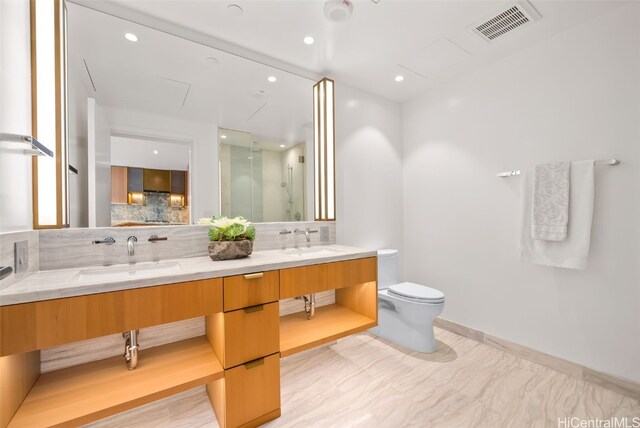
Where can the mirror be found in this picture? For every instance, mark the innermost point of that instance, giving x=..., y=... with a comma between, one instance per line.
x=163, y=130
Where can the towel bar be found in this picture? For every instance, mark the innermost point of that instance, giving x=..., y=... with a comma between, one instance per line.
x=511, y=173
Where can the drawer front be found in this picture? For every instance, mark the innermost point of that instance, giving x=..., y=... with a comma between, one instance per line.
x=30, y=326
x=251, y=333
x=252, y=390
x=251, y=289
x=327, y=276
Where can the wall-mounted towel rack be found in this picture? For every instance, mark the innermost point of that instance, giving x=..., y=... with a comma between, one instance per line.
x=36, y=148
x=598, y=162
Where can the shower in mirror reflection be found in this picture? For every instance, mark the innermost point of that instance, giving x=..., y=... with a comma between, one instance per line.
x=261, y=178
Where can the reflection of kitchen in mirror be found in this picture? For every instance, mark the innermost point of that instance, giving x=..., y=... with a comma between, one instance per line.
x=149, y=182
x=261, y=178
x=146, y=109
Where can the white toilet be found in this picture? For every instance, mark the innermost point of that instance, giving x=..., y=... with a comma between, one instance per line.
x=405, y=310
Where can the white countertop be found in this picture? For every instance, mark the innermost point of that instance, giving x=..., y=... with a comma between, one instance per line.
x=55, y=284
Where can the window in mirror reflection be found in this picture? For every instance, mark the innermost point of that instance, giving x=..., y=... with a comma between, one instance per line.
x=261, y=178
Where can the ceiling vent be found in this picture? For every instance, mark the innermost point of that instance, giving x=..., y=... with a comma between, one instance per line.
x=518, y=15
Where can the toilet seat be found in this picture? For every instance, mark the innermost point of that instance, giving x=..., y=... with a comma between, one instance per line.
x=416, y=292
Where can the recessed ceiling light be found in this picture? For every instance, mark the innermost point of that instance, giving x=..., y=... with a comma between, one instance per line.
x=399, y=78
x=131, y=37
x=271, y=79
x=224, y=137
x=234, y=10
x=282, y=145
x=308, y=40
x=155, y=152
x=212, y=60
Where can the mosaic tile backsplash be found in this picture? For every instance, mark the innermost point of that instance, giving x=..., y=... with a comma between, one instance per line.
x=156, y=210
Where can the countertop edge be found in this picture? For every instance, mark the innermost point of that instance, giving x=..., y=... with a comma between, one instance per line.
x=194, y=274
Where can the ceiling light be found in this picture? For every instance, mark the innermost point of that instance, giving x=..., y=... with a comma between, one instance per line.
x=271, y=79
x=155, y=152
x=131, y=37
x=399, y=78
x=234, y=10
x=282, y=146
x=212, y=60
x=224, y=137
x=308, y=40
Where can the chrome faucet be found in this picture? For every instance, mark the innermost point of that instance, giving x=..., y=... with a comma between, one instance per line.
x=305, y=232
x=131, y=245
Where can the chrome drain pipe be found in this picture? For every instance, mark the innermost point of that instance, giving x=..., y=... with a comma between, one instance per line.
x=309, y=305
x=131, y=348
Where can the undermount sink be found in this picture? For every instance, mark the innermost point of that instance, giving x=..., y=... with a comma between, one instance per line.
x=309, y=250
x=136, y=270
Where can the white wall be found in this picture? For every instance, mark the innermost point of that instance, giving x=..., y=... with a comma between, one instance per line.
x=203, y=198
x=368, y=169
x=99, y=165
x=573, y=96
x=15, y=116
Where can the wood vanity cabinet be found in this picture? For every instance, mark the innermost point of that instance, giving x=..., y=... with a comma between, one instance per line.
x=246, y=339
x=238, y=358
x=84, y=393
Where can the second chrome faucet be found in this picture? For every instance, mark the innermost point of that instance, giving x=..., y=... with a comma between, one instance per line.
x=306, y=232
x=131, y=245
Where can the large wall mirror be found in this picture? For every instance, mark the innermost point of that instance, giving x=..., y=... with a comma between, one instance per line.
x=164, y=130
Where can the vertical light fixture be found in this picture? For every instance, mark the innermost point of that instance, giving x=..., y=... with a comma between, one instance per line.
x=48, y=109
x=324, y=150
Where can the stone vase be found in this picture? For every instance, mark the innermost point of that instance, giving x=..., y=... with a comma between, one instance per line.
x=229, y=250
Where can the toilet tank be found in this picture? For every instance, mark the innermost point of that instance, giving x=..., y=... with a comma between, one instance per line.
x=388, y=268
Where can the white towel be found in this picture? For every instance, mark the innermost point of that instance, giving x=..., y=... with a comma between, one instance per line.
x=572, y=252
x=551, y=201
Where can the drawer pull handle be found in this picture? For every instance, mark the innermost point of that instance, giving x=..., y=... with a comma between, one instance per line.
x=254, y=363
x=254, y=275
x=256, y=308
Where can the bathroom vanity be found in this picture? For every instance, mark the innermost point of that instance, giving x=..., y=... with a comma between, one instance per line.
x=237, y=358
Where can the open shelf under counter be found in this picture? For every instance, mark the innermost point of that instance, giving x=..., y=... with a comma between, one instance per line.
x=329, y=323
x=92, y=391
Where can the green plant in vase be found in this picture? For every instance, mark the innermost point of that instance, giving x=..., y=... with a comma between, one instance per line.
x=230, y=238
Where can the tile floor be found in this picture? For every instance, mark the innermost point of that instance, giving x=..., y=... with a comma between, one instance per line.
x=363, y=381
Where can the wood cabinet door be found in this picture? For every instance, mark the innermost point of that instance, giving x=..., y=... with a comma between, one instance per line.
x=178, y=182
x=252, y=390
x=118, y=184
x=134, y=182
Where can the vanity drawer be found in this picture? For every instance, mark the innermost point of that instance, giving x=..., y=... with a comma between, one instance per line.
x=327, y=276
x=251, y=289
x=252, y=392
x=250, y=333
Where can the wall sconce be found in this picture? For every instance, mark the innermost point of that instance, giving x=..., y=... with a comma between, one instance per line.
x=324, y=150
x=48, y=112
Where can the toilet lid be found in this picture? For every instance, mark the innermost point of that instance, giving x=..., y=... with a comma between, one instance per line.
x=417, y=292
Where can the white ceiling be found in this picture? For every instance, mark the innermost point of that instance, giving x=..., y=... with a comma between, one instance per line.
x=169, y=76
x=379, y=41
x=149, y=153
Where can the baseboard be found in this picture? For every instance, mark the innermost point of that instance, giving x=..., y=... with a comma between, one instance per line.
x=614, y=383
